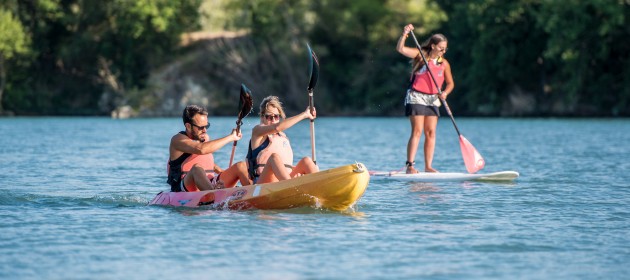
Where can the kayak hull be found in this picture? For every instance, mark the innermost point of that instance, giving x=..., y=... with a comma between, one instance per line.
x=501, y=176
x=334, y=189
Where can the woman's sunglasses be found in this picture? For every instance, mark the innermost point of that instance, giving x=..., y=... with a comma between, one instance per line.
x=271, y=117
x=200, y=127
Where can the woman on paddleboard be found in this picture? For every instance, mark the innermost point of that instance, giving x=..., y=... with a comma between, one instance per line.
x=269, y=156
x=421, y=101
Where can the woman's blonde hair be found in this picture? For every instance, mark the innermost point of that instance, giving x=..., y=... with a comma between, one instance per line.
x=274, y=102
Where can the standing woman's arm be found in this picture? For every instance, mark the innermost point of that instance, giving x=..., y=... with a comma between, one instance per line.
x=448, y=79
x=400, y=47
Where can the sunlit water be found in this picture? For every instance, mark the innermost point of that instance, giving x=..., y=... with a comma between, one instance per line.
x=74, y=193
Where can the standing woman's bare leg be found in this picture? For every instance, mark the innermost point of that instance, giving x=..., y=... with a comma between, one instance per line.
x=430, y=125
x=414, y=139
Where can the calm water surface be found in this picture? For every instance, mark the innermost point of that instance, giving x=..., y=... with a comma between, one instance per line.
x=73, y=195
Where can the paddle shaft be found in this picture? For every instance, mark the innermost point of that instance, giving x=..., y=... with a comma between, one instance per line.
x=232, y=155
x=311, y=107
x=314, y=74
x=238, y=128
x=426, y=63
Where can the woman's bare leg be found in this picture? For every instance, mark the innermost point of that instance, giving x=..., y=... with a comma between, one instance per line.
x=274, y=170
x=414, y=139
x=430, y=126
x=304, y=166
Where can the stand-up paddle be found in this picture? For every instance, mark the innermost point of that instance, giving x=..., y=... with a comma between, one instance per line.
x=245, y=105
x=314, y=74
x=473, y=160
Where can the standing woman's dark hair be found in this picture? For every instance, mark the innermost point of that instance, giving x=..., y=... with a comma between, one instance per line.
x=426, y=48
x=191, y=110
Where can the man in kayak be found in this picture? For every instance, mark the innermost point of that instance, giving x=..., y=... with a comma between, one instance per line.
x=269, y=156
x=191, y=165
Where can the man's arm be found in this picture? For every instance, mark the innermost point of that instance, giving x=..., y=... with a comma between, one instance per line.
x=184, y=144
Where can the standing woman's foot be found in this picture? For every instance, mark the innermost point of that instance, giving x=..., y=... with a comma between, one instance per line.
x=410, y=168
x=430, y=169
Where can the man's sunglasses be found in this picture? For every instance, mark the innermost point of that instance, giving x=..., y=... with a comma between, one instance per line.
x=200, y=127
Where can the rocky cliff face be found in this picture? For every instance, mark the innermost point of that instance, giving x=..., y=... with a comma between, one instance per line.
x=210, y=75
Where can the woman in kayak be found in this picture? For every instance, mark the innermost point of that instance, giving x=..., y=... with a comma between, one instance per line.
x=269, y=156
x=191, y=165
x=421, y=101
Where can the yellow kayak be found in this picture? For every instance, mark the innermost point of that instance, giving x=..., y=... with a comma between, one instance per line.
x=333, y=189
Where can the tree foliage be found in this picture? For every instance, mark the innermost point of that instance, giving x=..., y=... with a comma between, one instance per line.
x=566, y=55
x=358, y=39
x=13, y=41
x=91, y=55
x=355, y=40
x=522, y=57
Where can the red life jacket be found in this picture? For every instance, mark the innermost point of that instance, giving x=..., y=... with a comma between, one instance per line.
x=422, y=82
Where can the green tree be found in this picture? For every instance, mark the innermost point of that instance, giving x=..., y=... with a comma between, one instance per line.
x=13, y=41
x=494, y=49
x=589, y=59
x=91, y=56
x=565, y=55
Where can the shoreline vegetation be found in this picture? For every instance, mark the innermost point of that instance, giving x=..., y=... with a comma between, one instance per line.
x=151, y=58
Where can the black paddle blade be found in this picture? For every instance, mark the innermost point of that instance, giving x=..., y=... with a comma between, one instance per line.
x=313, y=70
x=245, y=103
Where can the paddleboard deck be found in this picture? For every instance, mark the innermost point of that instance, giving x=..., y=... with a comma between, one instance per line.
x=501, y=176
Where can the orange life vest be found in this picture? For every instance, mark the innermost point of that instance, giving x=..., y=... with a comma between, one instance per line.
x=178, y=168
x=277, y=143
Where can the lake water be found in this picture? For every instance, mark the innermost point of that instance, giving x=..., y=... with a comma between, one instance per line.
x=73, y=197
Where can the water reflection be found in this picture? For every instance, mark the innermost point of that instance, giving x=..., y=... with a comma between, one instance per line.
x=266, y=214
x=427, y=191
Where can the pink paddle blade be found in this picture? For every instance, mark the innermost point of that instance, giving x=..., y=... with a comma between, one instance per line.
x=473, y=160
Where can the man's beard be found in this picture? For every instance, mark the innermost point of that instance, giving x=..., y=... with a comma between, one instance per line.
x=199, y=138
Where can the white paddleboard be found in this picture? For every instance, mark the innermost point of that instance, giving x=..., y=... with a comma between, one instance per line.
x=501, y=176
